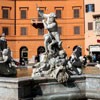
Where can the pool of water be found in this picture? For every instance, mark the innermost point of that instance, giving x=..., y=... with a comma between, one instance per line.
x=22, y=72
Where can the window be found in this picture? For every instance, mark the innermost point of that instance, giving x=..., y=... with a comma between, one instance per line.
x=40, y=31
x=5, y=30
x=76, y=30
x=39, y=17
x=90, y=26
x=90, y=8
x=97, y=27
x=23, y=30
x=60, y=30
x=76, y=13
x=5, y=13
x=58, y=13
x=23, y=14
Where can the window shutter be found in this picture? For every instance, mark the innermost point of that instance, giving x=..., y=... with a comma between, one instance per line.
x=86, y=8
x=90, y=26
x=76, y=30
x=23, y=14
x=93, y=7
x=5, y=30
x=23, y=30
x=76, y=13
x=5, y=13
x=58, y=13
x=90, y=8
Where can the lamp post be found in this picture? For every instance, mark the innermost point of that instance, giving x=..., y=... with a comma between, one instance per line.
x=14, y=17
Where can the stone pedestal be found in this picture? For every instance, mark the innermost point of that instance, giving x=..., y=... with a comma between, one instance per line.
x=15, y=88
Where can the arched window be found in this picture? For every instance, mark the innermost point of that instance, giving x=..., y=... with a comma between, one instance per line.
x=24, y=55
x=40, y=49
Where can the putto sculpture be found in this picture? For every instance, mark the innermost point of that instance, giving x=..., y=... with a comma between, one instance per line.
x=54, y=62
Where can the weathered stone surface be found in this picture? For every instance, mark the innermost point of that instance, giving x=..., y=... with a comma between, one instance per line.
x=14, y=88
x=93, y=86
x=57, y=91
x=26, y=88
x=7, y=71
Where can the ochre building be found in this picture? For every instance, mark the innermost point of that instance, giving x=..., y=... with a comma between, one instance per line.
x=24, y=38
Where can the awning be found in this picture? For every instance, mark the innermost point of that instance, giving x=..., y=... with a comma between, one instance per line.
x=98, y=41
x=94, y=48
x=96, y=16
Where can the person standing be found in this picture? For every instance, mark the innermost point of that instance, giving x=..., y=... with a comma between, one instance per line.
x=94, y=57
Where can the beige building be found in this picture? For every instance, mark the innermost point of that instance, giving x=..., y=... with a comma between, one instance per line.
x=92, y=27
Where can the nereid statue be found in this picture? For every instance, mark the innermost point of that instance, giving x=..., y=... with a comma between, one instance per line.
x=54, y=62
x=6, y=61
x=3, y=42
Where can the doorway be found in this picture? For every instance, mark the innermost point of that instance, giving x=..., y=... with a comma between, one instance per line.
x=97, y=55
x=23, y=55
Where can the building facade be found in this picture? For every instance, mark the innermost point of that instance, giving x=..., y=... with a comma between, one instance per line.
x=92, y=28
x=24, y=38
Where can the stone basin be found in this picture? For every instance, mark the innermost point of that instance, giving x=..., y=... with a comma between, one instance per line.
x=81, y=87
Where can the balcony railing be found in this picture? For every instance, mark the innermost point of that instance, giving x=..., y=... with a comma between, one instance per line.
x=97, y=32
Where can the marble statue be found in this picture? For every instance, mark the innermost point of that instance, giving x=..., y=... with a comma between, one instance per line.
x=76, y=61
x=3, y=42
x=7, y=67
x=54, y=62
x=50, y=24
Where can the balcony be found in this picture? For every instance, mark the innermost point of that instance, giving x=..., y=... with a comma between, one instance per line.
x=37, y=23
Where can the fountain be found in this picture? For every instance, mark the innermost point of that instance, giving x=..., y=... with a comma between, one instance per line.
x=7, y=67
x=54, y=62
x=55, y=77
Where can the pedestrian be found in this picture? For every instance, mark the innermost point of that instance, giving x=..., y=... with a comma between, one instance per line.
x=94, y=57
